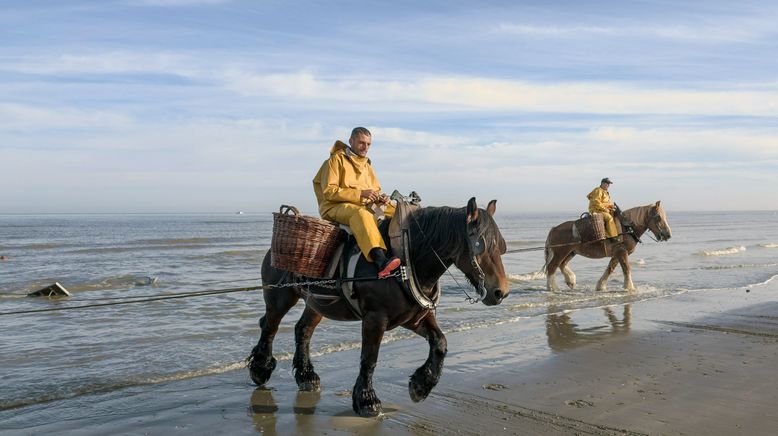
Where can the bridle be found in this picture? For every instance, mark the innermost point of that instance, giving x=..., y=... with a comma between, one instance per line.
x=477, y=246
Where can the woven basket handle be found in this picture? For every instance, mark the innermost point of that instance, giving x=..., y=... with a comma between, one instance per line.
x=286, y=209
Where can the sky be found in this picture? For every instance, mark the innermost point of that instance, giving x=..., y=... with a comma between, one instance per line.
x=218, y=106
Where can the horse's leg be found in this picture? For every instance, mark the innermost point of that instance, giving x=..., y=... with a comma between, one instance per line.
x=627, y=270
x=567, y=272
x=426, y=376
x=261, y=362
x=602, y=284
x=364, y=400
x=552, y=263
x=304, y=375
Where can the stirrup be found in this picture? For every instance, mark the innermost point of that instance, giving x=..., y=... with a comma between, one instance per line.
x=389, y=267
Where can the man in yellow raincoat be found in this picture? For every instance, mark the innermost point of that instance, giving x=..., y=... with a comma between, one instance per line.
x=346, y=188
x=600, y=202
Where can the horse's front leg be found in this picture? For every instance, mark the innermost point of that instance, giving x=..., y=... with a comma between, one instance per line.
x=304, y=375
x=426, y=376
x=627, y=269
x=261, y=362
x=602, y=284
x=364, y=400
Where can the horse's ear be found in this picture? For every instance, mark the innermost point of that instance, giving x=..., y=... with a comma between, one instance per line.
x=472, y=210
x=657, y=204
x=491, y=207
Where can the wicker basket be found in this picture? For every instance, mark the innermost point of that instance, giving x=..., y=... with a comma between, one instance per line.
x=591, y=227
x=303, y=244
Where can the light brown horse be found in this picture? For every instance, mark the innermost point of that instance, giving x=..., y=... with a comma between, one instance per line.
x=559, y=251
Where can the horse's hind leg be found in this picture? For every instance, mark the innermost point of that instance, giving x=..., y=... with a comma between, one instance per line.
x=261, y=362
x=627, y=270
x=304, y=375
x=602, y=284
x=364, y=400
x=554, y=259
x=567, y=272
x=426, y=376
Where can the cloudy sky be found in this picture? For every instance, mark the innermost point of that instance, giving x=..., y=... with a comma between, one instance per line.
x=226, y=105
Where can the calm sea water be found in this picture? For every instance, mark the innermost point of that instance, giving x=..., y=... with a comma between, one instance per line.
x=107, y=258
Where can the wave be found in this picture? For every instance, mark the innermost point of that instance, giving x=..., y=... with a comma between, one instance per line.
x=181, y=241
x=537, y=275
x=770, y=245
x=38, y=246
x=722, y=252
x=120, y=384
x=740, y=266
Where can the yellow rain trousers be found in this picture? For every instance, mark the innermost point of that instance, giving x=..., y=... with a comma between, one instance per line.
x=338, y=185
x=600, y=202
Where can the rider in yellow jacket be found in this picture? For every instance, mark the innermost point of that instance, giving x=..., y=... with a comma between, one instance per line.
x=600, y=202
x=346, y=187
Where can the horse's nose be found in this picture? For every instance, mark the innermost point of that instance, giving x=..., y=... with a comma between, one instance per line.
x=498, y=295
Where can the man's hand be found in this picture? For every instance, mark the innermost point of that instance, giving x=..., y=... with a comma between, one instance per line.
x=370, y=195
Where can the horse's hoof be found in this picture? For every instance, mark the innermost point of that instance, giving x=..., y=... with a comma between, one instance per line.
x=260, y=372
x=365, y=403
x=420, y=385
x=308, y=382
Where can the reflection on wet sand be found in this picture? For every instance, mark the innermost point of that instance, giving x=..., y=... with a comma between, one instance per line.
x=265, y=412
x=563, y=334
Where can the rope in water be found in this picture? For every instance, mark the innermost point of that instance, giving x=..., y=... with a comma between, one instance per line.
x=143, y=299
x=519, y=250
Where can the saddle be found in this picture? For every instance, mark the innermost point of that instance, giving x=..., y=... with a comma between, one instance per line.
x=396, y=232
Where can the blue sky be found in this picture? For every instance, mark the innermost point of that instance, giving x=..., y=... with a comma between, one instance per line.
x=226, y=105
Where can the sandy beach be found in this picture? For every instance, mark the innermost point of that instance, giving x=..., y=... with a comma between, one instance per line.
x=695, y=363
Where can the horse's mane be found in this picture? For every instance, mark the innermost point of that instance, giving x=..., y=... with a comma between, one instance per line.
x=638, y=214
x=445, y=230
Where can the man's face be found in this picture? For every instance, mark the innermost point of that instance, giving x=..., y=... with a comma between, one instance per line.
x=360, y=144
x=605, y=186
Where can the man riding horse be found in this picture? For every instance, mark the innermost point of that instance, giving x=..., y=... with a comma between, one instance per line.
x=345, y=187
x=600, y=202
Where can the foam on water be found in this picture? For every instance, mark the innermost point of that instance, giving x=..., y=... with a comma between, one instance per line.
x=723, y=252
x=537, y=275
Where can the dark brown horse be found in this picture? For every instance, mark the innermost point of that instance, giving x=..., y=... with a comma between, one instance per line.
x=559, y=254
x=466, y=237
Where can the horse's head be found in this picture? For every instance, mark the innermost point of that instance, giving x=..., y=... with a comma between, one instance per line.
x=482, y=262
x=657, y=223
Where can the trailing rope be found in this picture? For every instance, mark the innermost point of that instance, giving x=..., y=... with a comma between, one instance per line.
x=520, y=250
x=143, y=299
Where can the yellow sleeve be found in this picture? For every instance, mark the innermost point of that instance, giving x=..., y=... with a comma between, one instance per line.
x=331, y=184
x=598, y=201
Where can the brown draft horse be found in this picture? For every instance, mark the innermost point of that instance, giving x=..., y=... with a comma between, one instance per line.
x=558, y=255
x=466, y=237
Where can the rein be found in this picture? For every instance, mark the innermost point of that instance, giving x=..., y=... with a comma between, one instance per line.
x=481, y=276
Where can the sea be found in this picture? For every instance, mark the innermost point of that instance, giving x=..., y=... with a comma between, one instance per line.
x=104, y=259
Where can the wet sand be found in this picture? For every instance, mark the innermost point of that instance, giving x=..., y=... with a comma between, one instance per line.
x=696, y=363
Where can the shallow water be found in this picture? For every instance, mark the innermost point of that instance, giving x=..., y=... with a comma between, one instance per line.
x=105, y=258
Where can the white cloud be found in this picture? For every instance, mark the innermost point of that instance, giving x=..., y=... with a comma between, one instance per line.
x=170, y=3
x=15, y=117
x=714, y=31
x=466, y=93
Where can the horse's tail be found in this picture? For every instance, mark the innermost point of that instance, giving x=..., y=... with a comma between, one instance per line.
x=549, y=254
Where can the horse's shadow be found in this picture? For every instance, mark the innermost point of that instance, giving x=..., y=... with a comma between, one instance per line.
x=563, y=334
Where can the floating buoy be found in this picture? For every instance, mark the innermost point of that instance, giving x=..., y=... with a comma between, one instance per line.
x=55, y=290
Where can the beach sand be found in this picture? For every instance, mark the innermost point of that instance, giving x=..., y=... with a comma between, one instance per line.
x=698, y=363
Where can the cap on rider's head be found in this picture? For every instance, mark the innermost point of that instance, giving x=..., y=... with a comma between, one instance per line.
x=606, y=180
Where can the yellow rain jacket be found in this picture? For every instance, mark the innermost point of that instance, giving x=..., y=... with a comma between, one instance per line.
x=338, y=185
x=600, y=202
